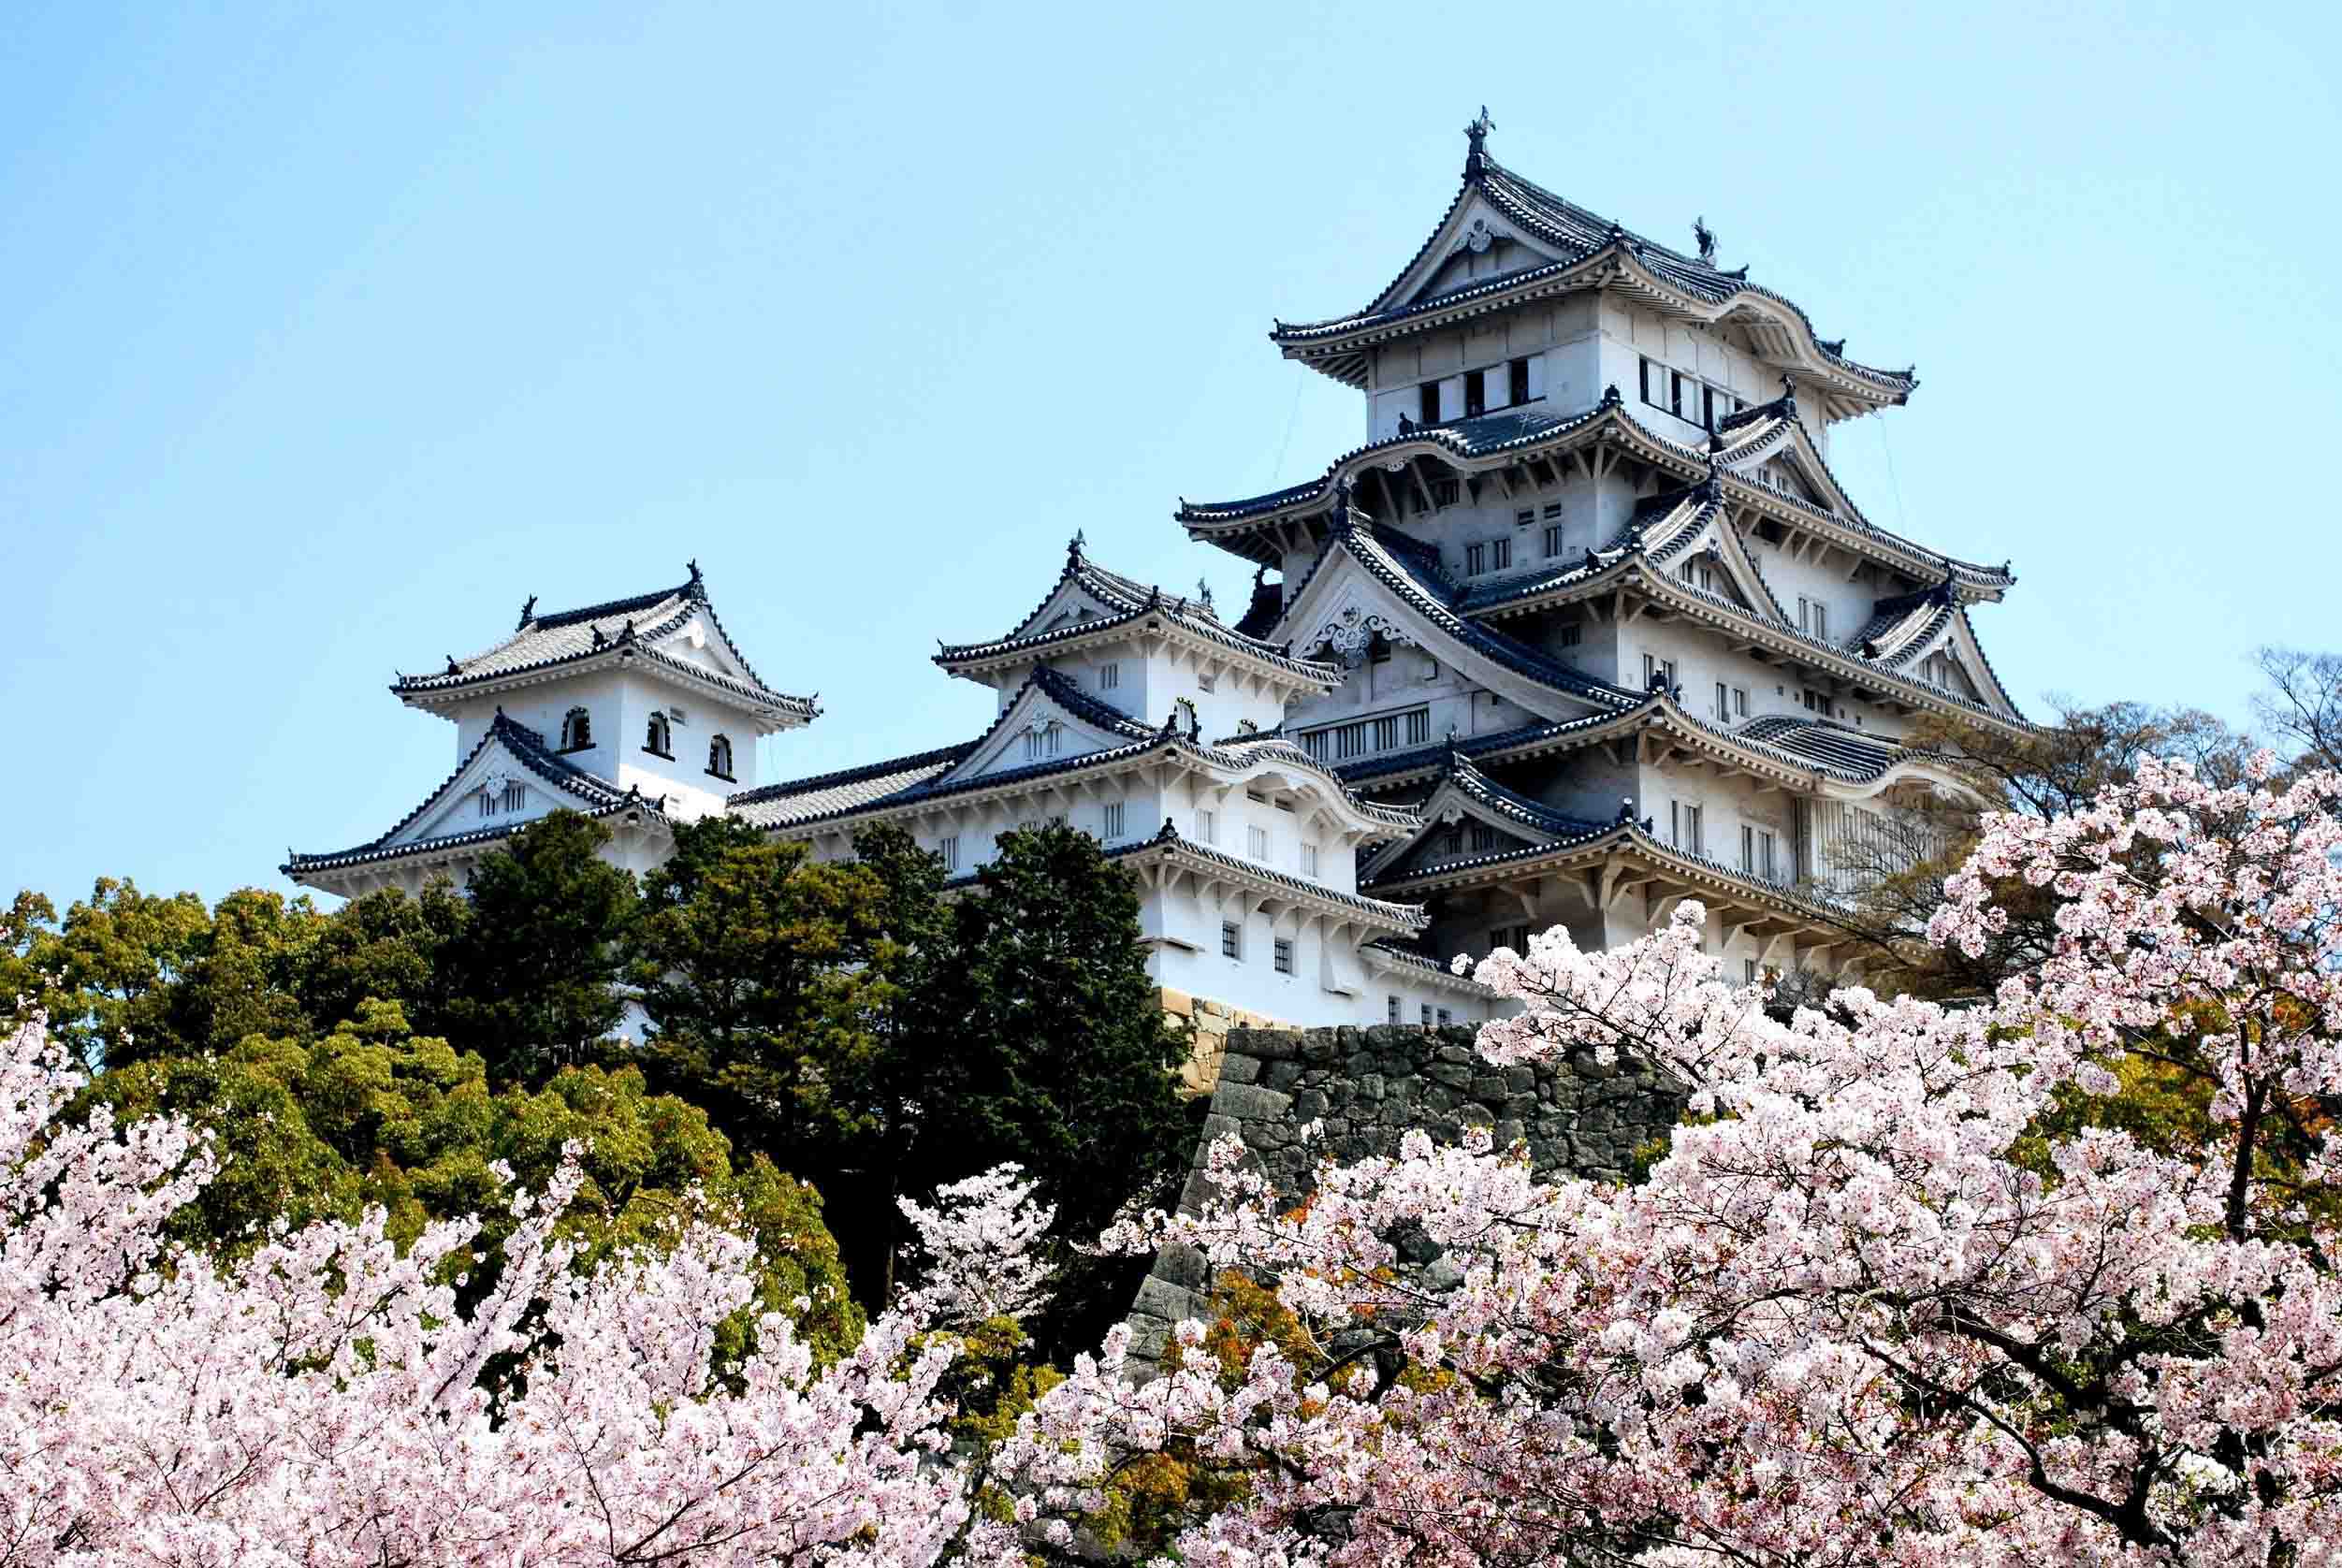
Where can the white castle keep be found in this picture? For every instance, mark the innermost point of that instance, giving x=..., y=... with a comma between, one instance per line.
x=1585, y=628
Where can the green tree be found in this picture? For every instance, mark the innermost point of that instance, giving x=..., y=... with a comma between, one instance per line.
x=116, y=958
x=761, y=974
x=372, y=1114
x=386, y=945
x=532, y=978
x=1038, y=1036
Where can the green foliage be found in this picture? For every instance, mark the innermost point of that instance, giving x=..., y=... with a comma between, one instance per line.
x=762, y=973
x=372, y=1114
x=530, y=981
x=1049, y=1043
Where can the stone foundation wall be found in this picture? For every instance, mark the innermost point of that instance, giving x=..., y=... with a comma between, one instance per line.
x=1367, y=1088
x=1207, y=1025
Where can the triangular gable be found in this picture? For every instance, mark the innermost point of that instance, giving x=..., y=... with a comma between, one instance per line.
x=1790, y=463
x=1959, y=639
x=1452, y=813
x=1473, y=242
x=1070, y=605
x=1344, y=604
x=1038, y=728
x=696, y=640
x=475, y=797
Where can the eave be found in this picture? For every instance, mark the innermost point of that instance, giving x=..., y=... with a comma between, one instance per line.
x=973, y=661
x=1266, y=528
x=774, y=711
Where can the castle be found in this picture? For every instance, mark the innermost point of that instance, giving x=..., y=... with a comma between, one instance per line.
x=1586, y=627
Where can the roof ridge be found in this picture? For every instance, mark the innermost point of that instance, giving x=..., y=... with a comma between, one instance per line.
x=784, y=788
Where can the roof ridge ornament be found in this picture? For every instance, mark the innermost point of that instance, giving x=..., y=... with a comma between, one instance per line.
x=1476, y=137
x=528, y=612
x=601, y=638
x=1705, y=238
x=697, y=586
x=1074, y=545
x=454, y=668
x=1204, y=594
x=1610, y=398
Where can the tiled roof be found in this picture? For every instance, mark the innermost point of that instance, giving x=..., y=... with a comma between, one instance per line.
x=1405, y=567
x=1127, y=599
x=1524, y=431
x=912, y=779
x=600, y=797
x=1574, y=235
x=1407, y=917
x=604, y=631
x=1514, y=805
x=1843, y=753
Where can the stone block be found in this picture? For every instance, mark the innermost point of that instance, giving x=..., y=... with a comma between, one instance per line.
x=1178, y=1003
x=1239, y=1070
x=1160, y=1297
x=1248, y=1103
x=1183, y=1266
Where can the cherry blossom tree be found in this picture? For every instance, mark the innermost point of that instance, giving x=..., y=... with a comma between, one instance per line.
x=326, y=1401
x=1895, y=1294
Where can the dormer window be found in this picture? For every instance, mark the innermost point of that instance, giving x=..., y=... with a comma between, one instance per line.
x=719, y=758
x=658, y=740
x=576, y=729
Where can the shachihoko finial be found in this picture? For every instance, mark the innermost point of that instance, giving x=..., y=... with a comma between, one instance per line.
x=1073, y=545
x=1705, y=238
x=1476, y=135
x=692, y=566
x=1203, y=592
x=528, y=611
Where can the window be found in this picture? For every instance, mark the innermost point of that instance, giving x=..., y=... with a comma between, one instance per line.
x=1427, y=402
x=1552, y=510
x=1707, y=407
x=1500, y=554
x=1391, y=1012
x=1686, y=571
x=1281, y=955
x=1231, y=939
x=1427, y=1015
x=498, y=796
x=947, y=848
x=1446, y=491
x=1571, y=635
x=1683, y=826
x=1820, y=621
x=658, y=740
x=1445, y=1018
x=1483, y=836
x=1523, y=518
x=1512, y=937
x=1474, y=393
x=1651, y=378
x=719, y=758
x=1340, y=743
x=1658, y=674
x=1675, y=394
x=1451, y=842
x=1208, y=826
x=1041, y=741
x=1764, y=855
x=1109, y=677
x=1748, y=971
x=1552, y=539
x=1309, y=860
x=1517, y=381
x=1724, y=700
x=1739, y=702
x=576, y=729
x=1113, y=820
x=1257, y=843
x=1748, y=847
x=1805, y=614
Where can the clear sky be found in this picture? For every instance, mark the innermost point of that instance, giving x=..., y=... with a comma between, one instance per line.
x=326, y=338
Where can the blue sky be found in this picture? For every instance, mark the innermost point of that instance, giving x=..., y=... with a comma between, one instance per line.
x=328, y=338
